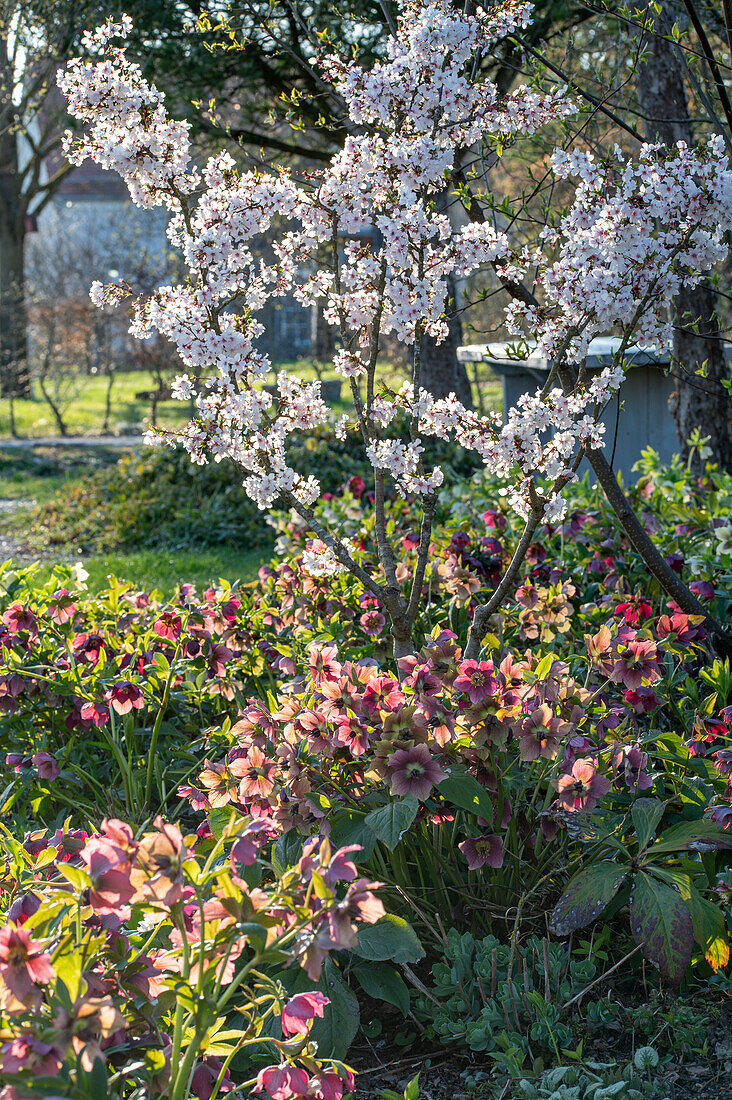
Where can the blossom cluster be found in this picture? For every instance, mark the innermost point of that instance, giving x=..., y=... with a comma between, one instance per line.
x=632, y=236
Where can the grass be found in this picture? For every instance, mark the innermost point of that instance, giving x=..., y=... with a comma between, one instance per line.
x=165, y=570
x=38, y=473
x=84, y=414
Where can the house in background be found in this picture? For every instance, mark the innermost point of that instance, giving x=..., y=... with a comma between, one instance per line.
x=91, y=230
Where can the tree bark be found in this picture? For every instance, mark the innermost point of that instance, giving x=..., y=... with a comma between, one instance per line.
x=440, y=372
x=14, y=372
x=697, y=401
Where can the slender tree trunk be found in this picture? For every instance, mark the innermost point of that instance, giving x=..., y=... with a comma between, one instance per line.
x=14, y=373
x=440, y=371
x=697, y=401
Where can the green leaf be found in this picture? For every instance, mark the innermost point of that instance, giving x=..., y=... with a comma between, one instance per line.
x=710, y=926
x=256, y=934
x=78, y=878
x=661, y=923
x=351, y=828
x=391, y=938
x=646, y=814
x=692, y=836
x=96, y=1079
x=382, y=982
x=391, y=822
x=543, y=668
x=411, y=1092
x=219, y=818
x=462, y=789
x=287, y=851
x=586, y=896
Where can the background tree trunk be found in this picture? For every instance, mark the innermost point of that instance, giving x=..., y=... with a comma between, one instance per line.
x=697, y=402
x=14, y=373
x=440, y=371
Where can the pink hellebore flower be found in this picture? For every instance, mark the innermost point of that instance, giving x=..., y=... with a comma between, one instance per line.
x=300, y=1010
x=18, y=618
x=477, y=679
x=414, y=771
x=282, y=1082
x=205, y=1076
x=32, y=1055
x=46, y=766
x=330, y=1086
x=480, y=850
x=635, y=663
x=96, y=713
x=125, y=696
x=168, y=626
x=23, y=962
x=581, y=788
x=61, y=608
x=372, y=623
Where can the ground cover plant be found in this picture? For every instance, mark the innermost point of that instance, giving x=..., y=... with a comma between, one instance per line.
x=462, y=749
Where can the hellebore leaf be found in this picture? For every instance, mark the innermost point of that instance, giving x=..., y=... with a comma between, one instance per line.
x=661, y=923
x=586, y=896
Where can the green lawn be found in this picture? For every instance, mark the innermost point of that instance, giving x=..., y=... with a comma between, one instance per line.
x=36, y=474
x=165, y=570
x=85, y=412
x=84, y=415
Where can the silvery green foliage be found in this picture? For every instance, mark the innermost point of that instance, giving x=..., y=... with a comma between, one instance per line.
x=600, y=1081
x=485, y=1009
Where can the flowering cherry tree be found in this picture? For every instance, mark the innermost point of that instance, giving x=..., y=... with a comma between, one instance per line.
x=635, y=232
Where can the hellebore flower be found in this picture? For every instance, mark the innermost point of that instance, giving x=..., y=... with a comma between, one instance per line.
x=125, y=696
x=479, y=850
x=414, y=771
x=205, y=1076
x=476, y=679
x=581, y=788
x=46, y=766
x=168, y=626
x=282, y=1082
x=23, y=962
x=300, y=1010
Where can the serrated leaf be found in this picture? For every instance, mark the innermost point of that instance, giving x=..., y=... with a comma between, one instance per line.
x=384, y=983
x=661, y=923
x=390, y=822
x=586, y=896
x=287, y=851
x=646, y=814
x=392, y=938
x=462, y=789
x=692, y=836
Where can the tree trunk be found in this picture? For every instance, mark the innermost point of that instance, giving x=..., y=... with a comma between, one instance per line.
x=697, y=401
x=440, y=371
x=14, y=373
